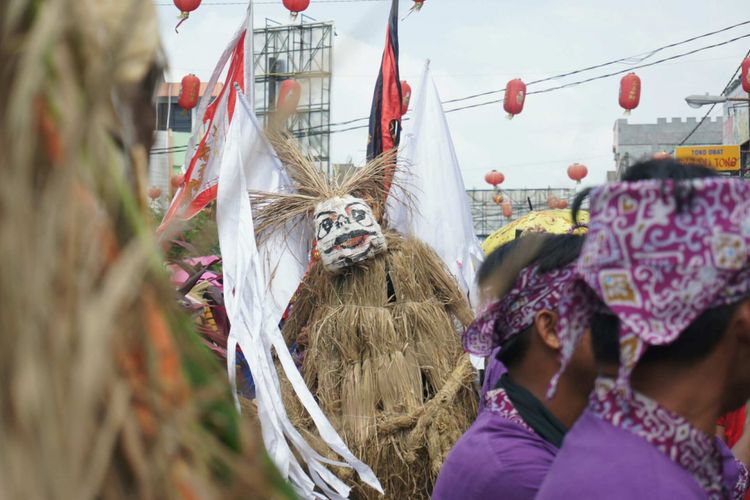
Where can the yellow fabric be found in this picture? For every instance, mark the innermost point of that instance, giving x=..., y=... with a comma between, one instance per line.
x=557, y=221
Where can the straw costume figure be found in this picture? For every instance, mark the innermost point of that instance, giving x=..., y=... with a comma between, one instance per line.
x=376, y=318
x=105, y=390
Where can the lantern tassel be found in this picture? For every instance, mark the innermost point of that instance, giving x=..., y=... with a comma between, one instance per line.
x=509, y=116
x=414, y=8
x=626, y=113
x=182, y=17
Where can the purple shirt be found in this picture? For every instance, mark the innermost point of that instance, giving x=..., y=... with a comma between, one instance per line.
x=497, y=458
x=598, y=460
x=492, y=373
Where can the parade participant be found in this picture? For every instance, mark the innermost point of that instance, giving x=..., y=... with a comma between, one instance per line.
x=105, y=389
x=664, y=268
x=494, y=368
x=375, y=319
x=507, y=451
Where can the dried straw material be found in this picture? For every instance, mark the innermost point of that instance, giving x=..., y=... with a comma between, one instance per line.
x=389, y=372
x=272, y=211
x=105, y=390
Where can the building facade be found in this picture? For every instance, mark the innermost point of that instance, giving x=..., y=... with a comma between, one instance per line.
x=637, y=141
x=737, y=123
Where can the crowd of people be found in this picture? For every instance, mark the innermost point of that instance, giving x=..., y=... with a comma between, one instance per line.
x=617, y=362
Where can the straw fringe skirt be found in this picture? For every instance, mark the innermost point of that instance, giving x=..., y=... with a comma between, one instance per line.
x=384, y=359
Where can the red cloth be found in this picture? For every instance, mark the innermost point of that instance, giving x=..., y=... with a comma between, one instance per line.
x=733, y=423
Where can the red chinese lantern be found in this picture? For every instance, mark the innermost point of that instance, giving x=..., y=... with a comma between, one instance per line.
x=552, y=201
x=498, y=199
x=515, y=95
x=185, y=7
x=405, y=96
x=630, y=92
x=562, y=204
x=289, y=94
x=577, y=172
x=190, y=90
x=507, y=210
x=154, y=192
x=177, y=180
x=494, y=178
x=746, y=74
x=296, y=6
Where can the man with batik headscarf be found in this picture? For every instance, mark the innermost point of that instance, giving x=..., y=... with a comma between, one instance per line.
x=664, y=276
x=509, y=448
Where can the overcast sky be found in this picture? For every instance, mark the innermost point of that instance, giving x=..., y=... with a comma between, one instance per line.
x=478, y=45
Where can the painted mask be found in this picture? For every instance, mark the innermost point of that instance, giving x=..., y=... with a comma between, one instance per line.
x=346, y=232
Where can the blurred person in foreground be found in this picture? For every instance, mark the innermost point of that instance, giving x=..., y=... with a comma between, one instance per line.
x=106, y=391
x=663, y=283
x=510, y=446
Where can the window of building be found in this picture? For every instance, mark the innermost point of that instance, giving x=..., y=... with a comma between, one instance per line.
x=179, y=119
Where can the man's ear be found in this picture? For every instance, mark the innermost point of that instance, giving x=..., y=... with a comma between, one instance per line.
x=545, y=322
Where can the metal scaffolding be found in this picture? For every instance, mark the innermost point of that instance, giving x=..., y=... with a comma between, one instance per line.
x=488, y=215
x=304, y=52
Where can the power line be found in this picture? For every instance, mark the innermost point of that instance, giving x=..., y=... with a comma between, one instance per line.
x=564, y=86
x=165, y=4
x=608, y=63
x=317, y=130
x=726, y=87
x=582, y=70
x=654, y=63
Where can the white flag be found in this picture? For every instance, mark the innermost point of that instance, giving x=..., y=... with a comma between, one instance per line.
x=441, y=214
x=258, y=283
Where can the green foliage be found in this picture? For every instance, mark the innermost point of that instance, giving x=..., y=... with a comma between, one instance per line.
x=198, y=237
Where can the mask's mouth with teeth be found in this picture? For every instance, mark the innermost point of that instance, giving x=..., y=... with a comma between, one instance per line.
x=350, y=240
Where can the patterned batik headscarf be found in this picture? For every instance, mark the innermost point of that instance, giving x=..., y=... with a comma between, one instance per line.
x=504, y=319
x=658, y=262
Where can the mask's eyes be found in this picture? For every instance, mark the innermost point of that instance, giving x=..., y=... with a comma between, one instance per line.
x=360, y=216
x=324, y=228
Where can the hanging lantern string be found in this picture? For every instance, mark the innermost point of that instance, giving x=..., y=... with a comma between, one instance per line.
x=324, y=129
x=618, y=61
x=321, y=129
x=541, y=91
x=182, y=19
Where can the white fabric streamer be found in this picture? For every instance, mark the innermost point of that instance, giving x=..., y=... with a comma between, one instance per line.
x=254, y=301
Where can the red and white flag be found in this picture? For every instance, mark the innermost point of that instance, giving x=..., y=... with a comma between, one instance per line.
x=206, y=146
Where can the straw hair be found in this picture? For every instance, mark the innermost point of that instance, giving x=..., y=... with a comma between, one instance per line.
x=389, y=372
x=311, y=186
x=105, y=390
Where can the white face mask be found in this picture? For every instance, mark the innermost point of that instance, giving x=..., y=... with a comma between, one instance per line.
x=346, y=232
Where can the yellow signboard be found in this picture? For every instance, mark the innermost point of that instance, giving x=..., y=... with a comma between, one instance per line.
x=725, y=158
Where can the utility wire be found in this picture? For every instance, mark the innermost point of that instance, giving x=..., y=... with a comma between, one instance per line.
x=726, y=87
x=318, y=130
x=578, y=71
x=645, y=55
x=567, y=85
x=165, y=4
x=654, y=63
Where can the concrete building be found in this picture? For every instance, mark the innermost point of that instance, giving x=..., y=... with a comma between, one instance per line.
x=636, y=141
x=737, y=123
x=171, y=135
